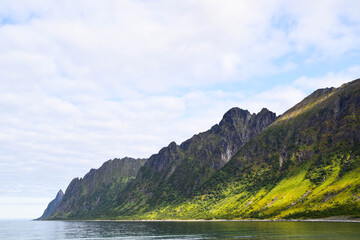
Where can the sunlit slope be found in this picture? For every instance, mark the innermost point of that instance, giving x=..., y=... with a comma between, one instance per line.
x=305, y=165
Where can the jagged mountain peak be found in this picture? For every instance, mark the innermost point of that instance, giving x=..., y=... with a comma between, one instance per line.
x=60, y=193
x=52, y=206
x=236, y=112
x=235, y=115
x=264, y=111
x=237, y=119
x=172, y=145
x=182, y=169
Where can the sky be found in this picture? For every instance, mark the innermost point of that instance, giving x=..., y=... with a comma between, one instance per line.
x=82, y=82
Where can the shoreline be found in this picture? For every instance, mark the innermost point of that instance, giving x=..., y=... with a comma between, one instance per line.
x=214, y=220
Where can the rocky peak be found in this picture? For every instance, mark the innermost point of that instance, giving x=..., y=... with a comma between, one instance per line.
x=265, y=111
x=240, y=121
x=263, y=119
x=164, y=159
x=60, y=194
x=235, y=115
x=172, y=146
x=53, y=206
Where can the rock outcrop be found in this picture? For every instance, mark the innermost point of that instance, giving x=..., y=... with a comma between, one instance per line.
x=52, y=206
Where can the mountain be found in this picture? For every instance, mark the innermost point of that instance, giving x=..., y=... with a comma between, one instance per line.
x=52, y=206
x=89, y=195
x=303, y=164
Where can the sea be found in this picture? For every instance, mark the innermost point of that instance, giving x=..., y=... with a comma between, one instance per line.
x=99, y=230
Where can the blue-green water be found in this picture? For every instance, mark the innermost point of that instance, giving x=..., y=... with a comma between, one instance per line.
x=34, y=230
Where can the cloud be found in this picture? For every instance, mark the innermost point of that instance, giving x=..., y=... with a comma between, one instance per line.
x=331, y=79
x=277, y=99
x=326, y=29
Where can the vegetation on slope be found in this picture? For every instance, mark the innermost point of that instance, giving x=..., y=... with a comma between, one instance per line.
x=305, y=165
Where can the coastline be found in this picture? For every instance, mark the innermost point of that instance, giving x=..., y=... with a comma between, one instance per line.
x=335, y=220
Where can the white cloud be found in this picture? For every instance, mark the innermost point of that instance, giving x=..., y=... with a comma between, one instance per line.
x=327, y=28
x=331, y=79
x=277, y=99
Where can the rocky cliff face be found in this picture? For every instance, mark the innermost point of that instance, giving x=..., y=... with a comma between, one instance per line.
x=53, y=206
x=179, y=170
x=89, y=195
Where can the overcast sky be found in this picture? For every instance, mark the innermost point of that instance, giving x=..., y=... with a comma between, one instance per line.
x=85, y=81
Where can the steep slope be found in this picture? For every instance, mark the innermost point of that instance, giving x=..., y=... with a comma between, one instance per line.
x=306, y=164
x=177, y=172
x=52, y=206
x=89, y=195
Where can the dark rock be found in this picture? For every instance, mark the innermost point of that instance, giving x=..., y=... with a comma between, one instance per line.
x=52, y=206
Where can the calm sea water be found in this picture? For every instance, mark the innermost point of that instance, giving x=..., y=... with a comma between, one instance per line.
x=34, y=230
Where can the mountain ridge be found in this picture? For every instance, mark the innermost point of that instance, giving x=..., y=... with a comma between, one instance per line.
x=183, y=168
x=304, y=163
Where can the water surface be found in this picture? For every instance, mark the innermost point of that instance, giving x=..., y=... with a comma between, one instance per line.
x=34, y=230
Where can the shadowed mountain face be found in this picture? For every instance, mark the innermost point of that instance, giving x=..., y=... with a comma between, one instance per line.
x=89, y=195
x=52, y=207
